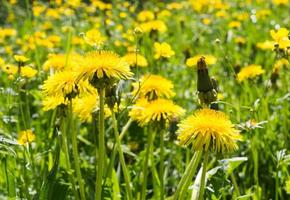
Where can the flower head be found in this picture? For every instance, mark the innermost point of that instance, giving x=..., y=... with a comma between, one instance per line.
x=63, y=84
x=154, y=25
x=208, y=129
x=61, y=61
x=163, y=50
x=25, y=137
x=210, y=60
x=28, y=71
x=20, y=58
x=51, y=102
x=155, y=111
x=153, y=86
x=250, y=71
x=132, y=59
x=94, y=37
x=281, y=37
x=103, y=64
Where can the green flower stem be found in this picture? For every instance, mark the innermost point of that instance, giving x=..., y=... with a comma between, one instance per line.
x=113, y=155
x=145, y=165
x=161, y=169
x=76, y=154
x=101, y=152
x=122, y=159
x=187, y=176
x=235, y=184
x=202, y=180
x=67, y=159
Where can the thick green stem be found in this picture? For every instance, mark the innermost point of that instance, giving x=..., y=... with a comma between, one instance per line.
x=235, y=184
x=67, y=159
x=113, y=154
x=145, y=165
x=101, y=152
x=161, y=169
x=76, y=154
x=202, y=179
x=187, y=176
x=122, y=159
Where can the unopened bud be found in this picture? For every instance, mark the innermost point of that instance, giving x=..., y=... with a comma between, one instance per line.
x=138, y=31
x=204, y=83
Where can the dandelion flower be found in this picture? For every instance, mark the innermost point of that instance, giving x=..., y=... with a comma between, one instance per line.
x=64, y=84
x=153, y=86
x=250, y=71
x=154, y=25
x=266, y=45
x=132, y=59
x=163, y=50
x=51, y=102
x=85, y=106
x=103, y=64
x=208, y=129
x=94, y=37
x=60, y=61
x=210, y=60
x=20, y=58
x=28, y=72
x=25, y=137
x=157, y=111
x=145, y=15
x=281, y=37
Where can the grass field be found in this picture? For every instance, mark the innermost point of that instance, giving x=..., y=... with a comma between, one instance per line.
x=145, y=99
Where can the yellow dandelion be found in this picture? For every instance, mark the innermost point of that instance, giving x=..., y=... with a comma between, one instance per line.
x=153, y=86
x=163, y=50
x=25, y=137
x=240, y=40
x=250, y=71
x=61, y=61
x=103, y=64
x=132, y=59
x=94, y=37
x=210, y=60
x=64, y=84
x=51, y=102
x=154, y=25
x=20, y=58
x=208, y=129
x=160, y=110
x=85, y=106
x=281, y=37
x=138, y=108
x=9, y=69
x=234, y=24
x=266, y=45
x=279, y=64
x=28, y=71
x=145, y=15
x=281, y=2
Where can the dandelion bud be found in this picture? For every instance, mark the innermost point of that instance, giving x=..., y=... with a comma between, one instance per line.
x=217, y=41
x=276, y=45
x=138, y=32
x=204, y=83
x=111, y=96
x=205, y=87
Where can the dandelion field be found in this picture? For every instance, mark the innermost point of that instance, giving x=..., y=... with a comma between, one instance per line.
x=144, y=99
